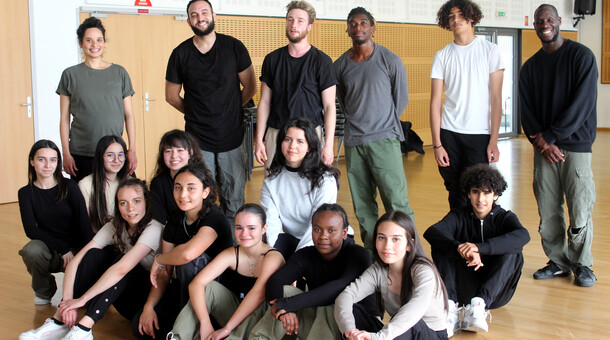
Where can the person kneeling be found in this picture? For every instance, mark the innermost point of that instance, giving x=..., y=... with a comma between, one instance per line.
x=489, y=239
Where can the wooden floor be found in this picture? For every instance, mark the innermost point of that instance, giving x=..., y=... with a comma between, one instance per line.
x=552, y=309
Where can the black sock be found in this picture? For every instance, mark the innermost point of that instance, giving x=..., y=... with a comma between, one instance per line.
x=575, y=231
x=57, y=321
x=86, y=329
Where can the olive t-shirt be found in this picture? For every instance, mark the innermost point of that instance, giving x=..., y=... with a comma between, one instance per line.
x=96, y=103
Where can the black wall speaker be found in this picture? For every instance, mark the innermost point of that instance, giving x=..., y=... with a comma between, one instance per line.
x=582, y=7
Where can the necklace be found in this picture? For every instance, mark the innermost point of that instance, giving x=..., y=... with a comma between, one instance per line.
x=253, y=265
x=184, y=223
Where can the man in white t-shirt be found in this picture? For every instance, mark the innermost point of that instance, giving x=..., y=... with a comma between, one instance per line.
x=470, y=70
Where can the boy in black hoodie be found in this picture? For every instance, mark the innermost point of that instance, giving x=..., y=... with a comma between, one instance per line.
x=478, y=250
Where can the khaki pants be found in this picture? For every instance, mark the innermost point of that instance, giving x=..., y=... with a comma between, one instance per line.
x=221, y=304
x=315, y=323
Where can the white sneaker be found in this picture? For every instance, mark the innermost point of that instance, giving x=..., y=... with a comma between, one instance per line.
x=475, y=315
x=40, y=301
x=454, y=323
x=77, y=333
x=48, y=331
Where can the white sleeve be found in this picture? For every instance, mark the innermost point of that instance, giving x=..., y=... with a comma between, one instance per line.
x=274, y=224
x=438, y=69
x=104, y=237
x=495, y=59
x=362, y=287
x=326, y=193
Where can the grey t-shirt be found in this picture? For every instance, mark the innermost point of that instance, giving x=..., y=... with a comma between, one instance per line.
x=373, y=94
x=96, y=103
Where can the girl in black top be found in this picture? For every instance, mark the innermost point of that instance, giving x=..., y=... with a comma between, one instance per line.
x=241, y=294
x=191, y=239
x=177, y=149
x=54, y=217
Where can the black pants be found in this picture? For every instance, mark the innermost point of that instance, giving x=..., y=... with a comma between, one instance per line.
x=495, y=282
x=421, y=331
x=463, y=151
x=128, y=295
x=84, y=164
x=167, y=310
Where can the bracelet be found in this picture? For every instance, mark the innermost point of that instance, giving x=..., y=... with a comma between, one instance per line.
x=161, y=266
x=437, y=146
x=226, y=330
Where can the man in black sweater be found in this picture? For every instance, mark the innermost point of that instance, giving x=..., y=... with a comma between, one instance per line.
x=327, y=267
x=478, y=250
x=558, y=92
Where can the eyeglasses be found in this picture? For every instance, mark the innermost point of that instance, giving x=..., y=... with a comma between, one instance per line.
x=111, y=157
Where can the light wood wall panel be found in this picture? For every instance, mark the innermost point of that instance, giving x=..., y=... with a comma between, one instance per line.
x=530, y=43
x=414, y=44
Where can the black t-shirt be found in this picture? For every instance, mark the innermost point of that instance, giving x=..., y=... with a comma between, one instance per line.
x=297, y=85
x=164, y=204
x=212, y=95
x=178, y=232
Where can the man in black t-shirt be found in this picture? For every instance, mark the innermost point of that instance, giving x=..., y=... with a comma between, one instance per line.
x=297, y=80
x=211, y=67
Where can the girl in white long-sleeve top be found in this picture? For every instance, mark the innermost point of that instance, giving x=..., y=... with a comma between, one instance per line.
x=411, y=289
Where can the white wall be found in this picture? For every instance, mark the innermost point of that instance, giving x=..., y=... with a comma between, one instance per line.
x=590, y=34
x=54, y=47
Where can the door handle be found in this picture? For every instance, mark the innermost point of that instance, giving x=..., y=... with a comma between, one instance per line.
x=28, y=104
x=147, y=100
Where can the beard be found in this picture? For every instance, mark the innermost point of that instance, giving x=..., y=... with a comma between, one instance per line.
x=205, y=31
x=295, y=39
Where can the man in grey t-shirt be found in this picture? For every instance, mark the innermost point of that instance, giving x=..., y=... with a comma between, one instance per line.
x=373, y=92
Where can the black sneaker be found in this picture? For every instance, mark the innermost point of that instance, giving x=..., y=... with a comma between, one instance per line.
x=583, y=276
x=550, y=271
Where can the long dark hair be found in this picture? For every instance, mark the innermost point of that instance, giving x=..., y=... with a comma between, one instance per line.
x=61, y=182
x=312, y=167
x=120, y=224
x=98, y=210
x=205, y=176
x=416, y=255
x=177, y=139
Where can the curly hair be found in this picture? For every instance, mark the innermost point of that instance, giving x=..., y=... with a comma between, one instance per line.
x=470, y=10
x=361, y=10
x=90, y=22
x=484, y=177
x=121, y=226
x=312, y=167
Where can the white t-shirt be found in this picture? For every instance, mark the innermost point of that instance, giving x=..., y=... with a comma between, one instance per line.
x=86, y=187
x=465, y=72
x=151, y=237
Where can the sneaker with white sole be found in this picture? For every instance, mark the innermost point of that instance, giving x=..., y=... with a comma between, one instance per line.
x=454, y=323
x=48, y=331
x=475, y=315
x=77, y=333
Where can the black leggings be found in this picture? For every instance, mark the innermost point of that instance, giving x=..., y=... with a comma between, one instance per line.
x=128, y=295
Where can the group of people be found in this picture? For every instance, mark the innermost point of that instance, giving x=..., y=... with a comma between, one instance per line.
x=168, y=258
